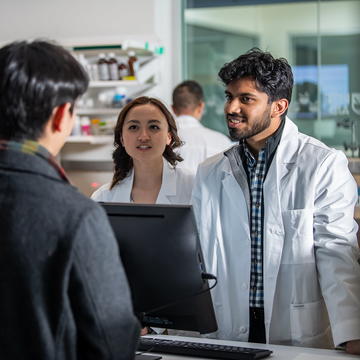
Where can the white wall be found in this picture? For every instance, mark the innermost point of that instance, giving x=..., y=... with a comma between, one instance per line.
x=75, y=22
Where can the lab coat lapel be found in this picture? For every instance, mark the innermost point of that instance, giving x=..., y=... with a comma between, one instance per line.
x=168, y=185
x=123, y=191
x=237, y=197
x=284, y=160
x=237, y=172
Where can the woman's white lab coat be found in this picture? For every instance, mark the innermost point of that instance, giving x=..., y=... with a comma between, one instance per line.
x=310, y=249
x=176, y=187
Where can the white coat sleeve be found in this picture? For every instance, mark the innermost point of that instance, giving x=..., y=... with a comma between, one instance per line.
x=336, y=248
x=202, y=198
x=101, y=194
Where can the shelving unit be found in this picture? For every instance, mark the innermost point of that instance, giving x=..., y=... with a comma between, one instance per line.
x=90, y=139
x=147, y=76
x=90, y=151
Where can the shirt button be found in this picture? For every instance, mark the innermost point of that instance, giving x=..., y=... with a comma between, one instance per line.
x=243, y=329
x=257, y=204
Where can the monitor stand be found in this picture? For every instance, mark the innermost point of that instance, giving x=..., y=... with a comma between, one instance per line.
x=147, y=357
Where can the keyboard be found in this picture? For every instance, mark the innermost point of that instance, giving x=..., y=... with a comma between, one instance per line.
x=196, y=349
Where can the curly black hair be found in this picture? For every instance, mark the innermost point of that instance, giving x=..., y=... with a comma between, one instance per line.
x=272, y=76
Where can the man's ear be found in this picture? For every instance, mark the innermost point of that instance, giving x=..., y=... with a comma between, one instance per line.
x=201, y=108
x=59, y=113
x=279, y=107
x=174, y=110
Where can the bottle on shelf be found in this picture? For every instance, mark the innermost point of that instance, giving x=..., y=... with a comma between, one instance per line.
x=83, y=61
x=123, y=69
x=133, y=65
x=119, y=98
x=76, y=130
x=94, y=72
x=103, y=68
x=105, y=98
x=113, y=67
x=95, y=126
x=85, y=126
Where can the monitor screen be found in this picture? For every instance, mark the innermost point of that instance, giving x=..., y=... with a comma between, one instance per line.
x=161, y=254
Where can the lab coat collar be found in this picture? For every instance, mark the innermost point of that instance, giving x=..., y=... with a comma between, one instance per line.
x=123, y=189
x=288, y=143
x=168, y=185
x=187, y=121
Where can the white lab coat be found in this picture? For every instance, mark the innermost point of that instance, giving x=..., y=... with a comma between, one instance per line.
x=310, y=247
x=200, y=142
x=176, y=187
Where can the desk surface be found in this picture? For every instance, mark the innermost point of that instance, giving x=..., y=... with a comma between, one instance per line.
x=280, y=352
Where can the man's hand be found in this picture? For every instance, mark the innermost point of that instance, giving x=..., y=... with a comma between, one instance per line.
x=353, y=347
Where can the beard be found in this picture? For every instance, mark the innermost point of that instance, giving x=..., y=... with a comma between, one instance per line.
x=258, y=125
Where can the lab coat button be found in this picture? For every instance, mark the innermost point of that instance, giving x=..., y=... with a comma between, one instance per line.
x=243, y=329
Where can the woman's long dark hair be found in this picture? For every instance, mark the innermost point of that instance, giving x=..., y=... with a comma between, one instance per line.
x=122, y=161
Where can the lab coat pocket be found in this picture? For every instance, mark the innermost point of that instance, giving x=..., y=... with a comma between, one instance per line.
x=298, y=239
x=309, y=324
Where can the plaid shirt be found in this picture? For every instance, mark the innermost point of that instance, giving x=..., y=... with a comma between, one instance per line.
x=256, y=171
x=33, y=148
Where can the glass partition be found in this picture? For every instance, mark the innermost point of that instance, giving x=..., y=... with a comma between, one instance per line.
x=320, y=39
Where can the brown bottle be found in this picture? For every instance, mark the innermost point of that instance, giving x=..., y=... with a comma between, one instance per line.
x=132, y=63
x=123, y=70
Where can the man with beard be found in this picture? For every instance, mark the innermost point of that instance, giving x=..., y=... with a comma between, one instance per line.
x=275, y=217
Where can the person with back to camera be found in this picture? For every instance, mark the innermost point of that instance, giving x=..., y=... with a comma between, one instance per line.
x=200, y=142
x=145, y=139
x=275, y=216
x=64, y=294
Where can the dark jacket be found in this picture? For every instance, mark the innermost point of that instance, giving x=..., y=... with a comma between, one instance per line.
x=63, y=291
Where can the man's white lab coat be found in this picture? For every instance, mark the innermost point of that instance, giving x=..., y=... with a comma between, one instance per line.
x=310, y=250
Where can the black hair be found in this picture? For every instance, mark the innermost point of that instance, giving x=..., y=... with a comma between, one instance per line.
x=35, y=77
x=187, y=94
x=272, y=76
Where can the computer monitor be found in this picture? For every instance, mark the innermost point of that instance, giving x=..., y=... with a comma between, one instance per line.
x=161, y=254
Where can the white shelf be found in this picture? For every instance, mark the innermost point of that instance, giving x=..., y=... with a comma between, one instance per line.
x=113, y=83
x=98, y=111
x=90, y=139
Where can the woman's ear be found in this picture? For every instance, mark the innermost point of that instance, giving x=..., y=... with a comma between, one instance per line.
x=169, y=138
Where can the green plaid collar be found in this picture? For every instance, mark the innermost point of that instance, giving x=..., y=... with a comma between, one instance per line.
x=33, y=148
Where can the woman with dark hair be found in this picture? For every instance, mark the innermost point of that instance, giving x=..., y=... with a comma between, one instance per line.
x=144, y=158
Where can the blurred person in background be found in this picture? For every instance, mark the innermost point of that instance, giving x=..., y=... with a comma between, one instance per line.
x=200, y=142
